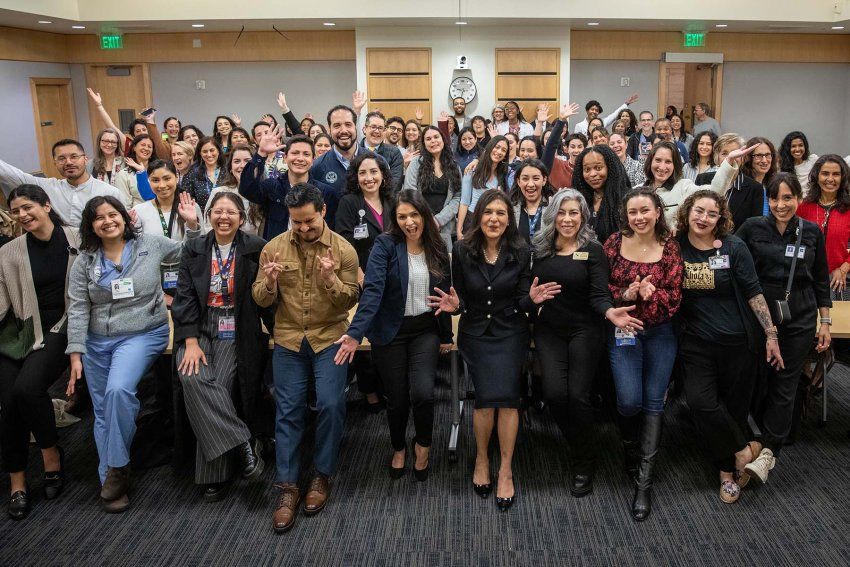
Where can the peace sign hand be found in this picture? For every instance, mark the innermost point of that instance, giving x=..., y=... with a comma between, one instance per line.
x=326, y=268
x=444, y=302
x=271, y=269
x=543, y=292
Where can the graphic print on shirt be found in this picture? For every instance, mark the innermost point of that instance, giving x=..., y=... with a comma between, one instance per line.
x=698, y=276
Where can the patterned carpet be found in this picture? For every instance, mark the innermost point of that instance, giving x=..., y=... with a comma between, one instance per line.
x=801, y=517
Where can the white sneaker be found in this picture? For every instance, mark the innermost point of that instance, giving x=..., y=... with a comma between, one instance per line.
x=760, y=467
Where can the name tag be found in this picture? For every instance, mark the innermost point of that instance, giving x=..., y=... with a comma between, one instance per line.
x=623, y=338
x=581, y=255
x=122, y=288
x=227, y=328
x=361, y=231
x=215, y=284
x=719, y=262
x=169, y=279
x=789, y=251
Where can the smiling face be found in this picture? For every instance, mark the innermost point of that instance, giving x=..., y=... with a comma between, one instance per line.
x=191, y=137
x=595, y=123
x=343, y=130
x=307, y=222
x=676, y=123
x=29, y=214
x=108, y=144
x=238, y=160
x=172, y=127
x=829, y=180
x=225, y=219
x=494, y=220
x=511, y=111
x=306, y=124
x=223, y=127
x=762, y=159
x=479, y=126
x=108, y=223
x=163, y=183
x=180, y=158
x=528, y=149
x=624, y=115
x=70, y=161
x=139, y=129
x=374, y=130
x=468, y=140
x=662, y=165
x=574, y=148
x=663, y=131
x=409, y=221
x=260, y=131
x=209, y=154
x=592, y=113
x=499, y=151
x=498, y=114
x=315, y=130
x=299, y=158
x=433, y=142
x=594, y=170
x=619, y=127
x=798, y=149
x=598, y=138
x=618, y=145
x=411, y=133
x=144, y=150
x=568, y=220
x=394, y=130
x=531, y=182
x=642, y=214
x=703, y=217
x=369, y=177
x=784, y=206
x=646, y=123
x=459, y=106
x=238, y=138
x=704, y=146
x=322, y=146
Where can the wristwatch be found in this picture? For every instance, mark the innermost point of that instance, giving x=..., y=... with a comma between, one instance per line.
x=826, y=321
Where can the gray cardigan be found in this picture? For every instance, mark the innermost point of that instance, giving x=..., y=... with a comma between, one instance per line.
x=92, y=308
x=446, y=217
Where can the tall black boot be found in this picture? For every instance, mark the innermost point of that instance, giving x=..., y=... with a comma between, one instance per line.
x=630, y=434
x=649, y=445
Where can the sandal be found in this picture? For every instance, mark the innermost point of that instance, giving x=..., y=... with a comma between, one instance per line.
x=729, y=492
x=743, y=477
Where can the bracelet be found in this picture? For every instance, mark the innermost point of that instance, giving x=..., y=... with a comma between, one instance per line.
x=826, y=321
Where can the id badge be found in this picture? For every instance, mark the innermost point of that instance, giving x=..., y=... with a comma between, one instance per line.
x=789, y=251
x=719, y=262
x=122, y=288
x=801, y=253
x=623, y=338
x=361, y=231
x=215, y=283
x=169, y=279
x=227, y=328
x=581, y=255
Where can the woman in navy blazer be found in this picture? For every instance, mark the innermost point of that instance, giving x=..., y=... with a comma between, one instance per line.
x=406, y=335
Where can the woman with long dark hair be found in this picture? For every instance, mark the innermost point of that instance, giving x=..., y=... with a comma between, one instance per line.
x=173, y=215
x=133, y=180
x=190, y=134
x=530, y=194
x=514, y=122
x=467, y=148
x=435, y=173
x=405, y=265
x=631, y=122
x=235, y=161
x=222, y=125
x=561, y=168
x=109, y=158
x=34, y=271
x=796, y=157
x=603, y=182
x=634, y=170
x=490, y=173
x=701, y=157
x=204, y=175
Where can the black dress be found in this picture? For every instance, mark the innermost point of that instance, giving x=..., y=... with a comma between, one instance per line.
x=493, y=334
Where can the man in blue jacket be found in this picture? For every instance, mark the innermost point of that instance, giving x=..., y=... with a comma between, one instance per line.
x=373, y=139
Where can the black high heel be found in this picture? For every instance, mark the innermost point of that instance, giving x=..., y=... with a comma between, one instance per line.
x=396, y=473
x=505, y=504
x=482, y=490
x=421, y=474
x=54, y=481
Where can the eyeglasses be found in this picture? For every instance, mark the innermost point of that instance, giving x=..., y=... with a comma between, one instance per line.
x=762, y=156
x=224, y=213
x=109, y=143
x=72, y=157
x=702, y=213
x=376, y=127
x=393, y=129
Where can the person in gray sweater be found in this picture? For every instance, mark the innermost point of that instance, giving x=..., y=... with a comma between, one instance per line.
x=117, y=328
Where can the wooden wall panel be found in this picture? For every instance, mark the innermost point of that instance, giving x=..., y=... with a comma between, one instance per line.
x=405, y=87
x=527, y=86
x=30, y=45
x=527, y=60
x=131, y=92
x=406, y=110
x=395, y=61
x=398, y=81
x=529, y=77
x=755, y=47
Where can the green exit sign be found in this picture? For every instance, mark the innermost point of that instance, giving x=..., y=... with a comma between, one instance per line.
x=694, y=40
x=111, y=42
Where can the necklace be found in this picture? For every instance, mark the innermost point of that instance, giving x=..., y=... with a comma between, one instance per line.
x=494, y=260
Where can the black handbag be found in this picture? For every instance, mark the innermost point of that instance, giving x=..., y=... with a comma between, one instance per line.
x=782, y=309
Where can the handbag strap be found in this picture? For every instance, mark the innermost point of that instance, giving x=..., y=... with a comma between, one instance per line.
x=794, y=259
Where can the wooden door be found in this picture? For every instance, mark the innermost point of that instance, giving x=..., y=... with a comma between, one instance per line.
x=123, y=88
x=685, y=84
x=53, y=109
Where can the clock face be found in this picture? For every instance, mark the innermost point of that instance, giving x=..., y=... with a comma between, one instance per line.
x=464, y=88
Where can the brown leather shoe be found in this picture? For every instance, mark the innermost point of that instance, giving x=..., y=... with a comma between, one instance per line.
x=287, y=507
x=117, y=483
x=317, y=494
x=117, y=506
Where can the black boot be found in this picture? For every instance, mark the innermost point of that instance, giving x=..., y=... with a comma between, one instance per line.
x=630, y=434
x=649, y=445
x=250, y=460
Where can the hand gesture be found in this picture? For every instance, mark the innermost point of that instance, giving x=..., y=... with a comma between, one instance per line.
x=347, y=348
x=95, y=97
x=568, y=110
x=134, y=217
x=740, y=153
x=150, y=118
x=281, y=102
x=471, y=167
x=418, y=114
x=444, y=302
x=236, y=119
x=268, y=119
x=774, y=356
x=543, y=112
x=76, y=372
x=187, y=210
x=193, y=356
x=358, y=101
x=492, y=130
x=326, y=267
x=646, y=289
x=133, y=164
x=309, y=116
x=631, y=293
x=444, y=116
x=409, y=156
x=271, y=269
x=543, y=292
x=632, y=99
x=621, y=319
x=271, y=142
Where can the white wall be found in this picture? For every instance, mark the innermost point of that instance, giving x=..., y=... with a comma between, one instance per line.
x=477, y=43
x=600, y=80
x=772, y=99
x=249, y=89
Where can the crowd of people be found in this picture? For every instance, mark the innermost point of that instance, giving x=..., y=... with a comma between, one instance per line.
x=626, y=250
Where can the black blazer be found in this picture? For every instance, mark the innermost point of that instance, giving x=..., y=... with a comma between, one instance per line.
x=491, y=303
x=348, y=216
x=745, y=196
x=190, y=308
x=381, y=309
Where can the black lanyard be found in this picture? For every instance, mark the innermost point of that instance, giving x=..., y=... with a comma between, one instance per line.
x=224, y=270
x=166, y=228
x=532, y=221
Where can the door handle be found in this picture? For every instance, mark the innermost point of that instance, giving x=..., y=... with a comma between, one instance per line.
x=47, y=123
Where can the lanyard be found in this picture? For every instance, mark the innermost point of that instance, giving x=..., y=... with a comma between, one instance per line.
x=211, y=183
x=166, y=228
x=224, y=270
x=532, y=221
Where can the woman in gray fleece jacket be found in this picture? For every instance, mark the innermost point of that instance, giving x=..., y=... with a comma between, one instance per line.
x=117, y=328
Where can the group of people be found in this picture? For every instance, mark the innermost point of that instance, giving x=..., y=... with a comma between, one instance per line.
x=616, y=256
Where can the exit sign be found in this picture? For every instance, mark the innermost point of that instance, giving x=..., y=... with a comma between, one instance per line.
x=111, y=42
x=694, y=40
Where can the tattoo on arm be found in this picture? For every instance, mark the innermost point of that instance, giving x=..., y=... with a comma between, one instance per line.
x=762, y=313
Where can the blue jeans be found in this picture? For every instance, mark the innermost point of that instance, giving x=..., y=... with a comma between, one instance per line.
x=114, y=366
x=642, y=371
x=292, y=372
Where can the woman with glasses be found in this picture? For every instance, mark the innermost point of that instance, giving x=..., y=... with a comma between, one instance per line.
x=515, y=122
x=108, y=159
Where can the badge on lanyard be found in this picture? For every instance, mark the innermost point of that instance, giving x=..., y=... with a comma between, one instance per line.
x=718, y=261
x=623, y=338
x=227, y=328
x=169, y=279
x=221, y=280
x=122, y=288
x=361, y=231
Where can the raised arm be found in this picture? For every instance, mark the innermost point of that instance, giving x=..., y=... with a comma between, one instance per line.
x=98, y=103
x=288, y=117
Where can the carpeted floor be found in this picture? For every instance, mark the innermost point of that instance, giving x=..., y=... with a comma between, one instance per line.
x=801, y=517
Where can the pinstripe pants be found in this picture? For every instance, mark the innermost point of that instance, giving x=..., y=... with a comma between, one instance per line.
x=209, y=403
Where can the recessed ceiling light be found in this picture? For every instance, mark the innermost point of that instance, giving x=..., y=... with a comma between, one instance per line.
x=78, y=27
x=44, y=22
x=328, y=24
x=197, y=25
x=593, y=23
x=721, y=25
x=460, y=23
x=838, y=27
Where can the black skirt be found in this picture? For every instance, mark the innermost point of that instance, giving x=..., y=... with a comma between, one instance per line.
x=495, y=366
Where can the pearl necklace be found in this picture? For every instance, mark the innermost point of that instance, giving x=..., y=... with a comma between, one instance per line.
x=494, y=260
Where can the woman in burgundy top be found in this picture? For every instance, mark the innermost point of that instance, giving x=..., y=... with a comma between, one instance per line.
x=828, y=206
x=646, y=271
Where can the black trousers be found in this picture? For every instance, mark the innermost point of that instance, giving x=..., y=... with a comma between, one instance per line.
x=26, y=405
x=778, y=405
x=569, y=360
x=408, y=370
x=718, y=382
x=368, y=381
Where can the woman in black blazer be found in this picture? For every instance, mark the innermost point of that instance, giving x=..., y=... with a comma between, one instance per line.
x=221, y=346
x=490, y=270
x=404, y=266
x=364, y=212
